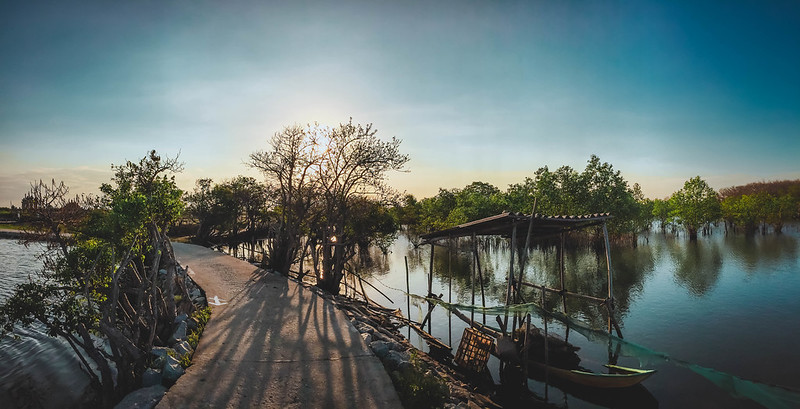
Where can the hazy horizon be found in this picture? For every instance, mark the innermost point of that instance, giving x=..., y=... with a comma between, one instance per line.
x=477, y=91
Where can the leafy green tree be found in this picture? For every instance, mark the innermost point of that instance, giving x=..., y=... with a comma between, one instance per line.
x=695, y=206
x=200, y=206
x=520, y=196
x=407, y=211
x=661, y=212
x=436, y=210
x=781, y=210
x=106, y=279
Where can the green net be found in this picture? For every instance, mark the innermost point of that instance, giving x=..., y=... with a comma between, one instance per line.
x=770, y=396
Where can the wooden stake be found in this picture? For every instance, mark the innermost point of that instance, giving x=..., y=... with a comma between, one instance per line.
x=480, y=274
x=510, y=273
x=408, y=297
x=430, y=287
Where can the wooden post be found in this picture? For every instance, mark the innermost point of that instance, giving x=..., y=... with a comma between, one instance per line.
x=472, y=282
x=525, y=347
x=450, y=289
x=610, y=304
x=430, y=285
x=480, y=274
x=510, y=274
x=546, y=352
x=561, y=273
x=523, y=258
x=408, y=298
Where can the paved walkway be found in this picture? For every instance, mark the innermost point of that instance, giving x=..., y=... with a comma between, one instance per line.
x=274, y=344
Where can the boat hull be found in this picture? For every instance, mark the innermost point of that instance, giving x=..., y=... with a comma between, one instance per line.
x=623, y=378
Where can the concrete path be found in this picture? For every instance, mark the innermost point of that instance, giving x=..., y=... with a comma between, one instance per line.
x=273, y=344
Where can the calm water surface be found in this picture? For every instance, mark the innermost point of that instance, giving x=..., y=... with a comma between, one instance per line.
x=36, y=371
x=725, y=302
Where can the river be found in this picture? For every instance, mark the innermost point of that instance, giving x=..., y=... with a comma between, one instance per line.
x=37, y=371
x=718, y=318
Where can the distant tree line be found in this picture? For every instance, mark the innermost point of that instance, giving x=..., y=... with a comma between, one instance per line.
x=599, y=188
x=746, y=208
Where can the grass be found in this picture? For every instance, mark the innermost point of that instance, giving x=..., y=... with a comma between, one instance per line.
x=419, y=388
x=15, y=226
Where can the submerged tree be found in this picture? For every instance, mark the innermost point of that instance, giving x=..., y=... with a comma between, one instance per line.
x=318, y=176
x=695, y=206
x=113, y=276
x=354, y=164
x=287, y=167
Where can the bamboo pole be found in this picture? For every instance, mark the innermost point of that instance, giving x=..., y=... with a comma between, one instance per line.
x=561, y=272
x=566, y=293
x=450, y=289
x=546, y=352
x=523, y=259
x=610, y=304
x=480, y=274
x=510, y=274
x=430, y=286
x=408, y=296
x=472, y=281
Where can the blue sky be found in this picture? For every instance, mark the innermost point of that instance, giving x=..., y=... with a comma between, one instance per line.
x=477, y=90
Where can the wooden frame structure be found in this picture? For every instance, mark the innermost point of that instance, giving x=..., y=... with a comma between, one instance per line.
x=538, y=226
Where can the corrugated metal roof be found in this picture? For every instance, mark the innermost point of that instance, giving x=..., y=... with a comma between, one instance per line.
x=503, y=224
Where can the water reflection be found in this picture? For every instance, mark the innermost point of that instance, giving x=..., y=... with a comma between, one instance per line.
x=697, y=264
x=664, y=289
x=585, y=272
x=756, y=253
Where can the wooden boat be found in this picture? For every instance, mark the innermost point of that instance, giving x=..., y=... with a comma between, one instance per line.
x=621, y=377
x=564, y=364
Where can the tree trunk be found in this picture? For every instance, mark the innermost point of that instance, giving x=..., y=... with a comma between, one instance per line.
x=692, y=232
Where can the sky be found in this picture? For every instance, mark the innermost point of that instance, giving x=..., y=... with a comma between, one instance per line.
x=476, y=90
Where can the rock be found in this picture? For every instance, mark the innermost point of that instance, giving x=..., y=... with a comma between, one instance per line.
x=367, y=338
x=361, y=327
x=162, y=272
x=172, y=371
x=191, y=324
x=196, y=293
x=151, y=377
x=179, y=334
x=397, y=360
x=159, y=351
x=378, y=336
x=144, y=398
x=380, y=348
x=181, y=318
x=158, y=354
x=183, y=348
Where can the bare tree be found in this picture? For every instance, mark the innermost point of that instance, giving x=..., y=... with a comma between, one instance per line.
x=288, y=167
x=355, y=163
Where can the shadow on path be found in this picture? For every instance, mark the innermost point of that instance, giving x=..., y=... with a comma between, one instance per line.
x=274, y=344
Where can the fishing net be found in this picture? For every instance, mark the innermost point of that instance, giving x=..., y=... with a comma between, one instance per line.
x=770, y=396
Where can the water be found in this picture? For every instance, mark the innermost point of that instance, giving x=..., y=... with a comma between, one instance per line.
x=37, y=371
x=726, y=302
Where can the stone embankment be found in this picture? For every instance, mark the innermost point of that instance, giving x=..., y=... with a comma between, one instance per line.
x=395, y=352
x=167, y=364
